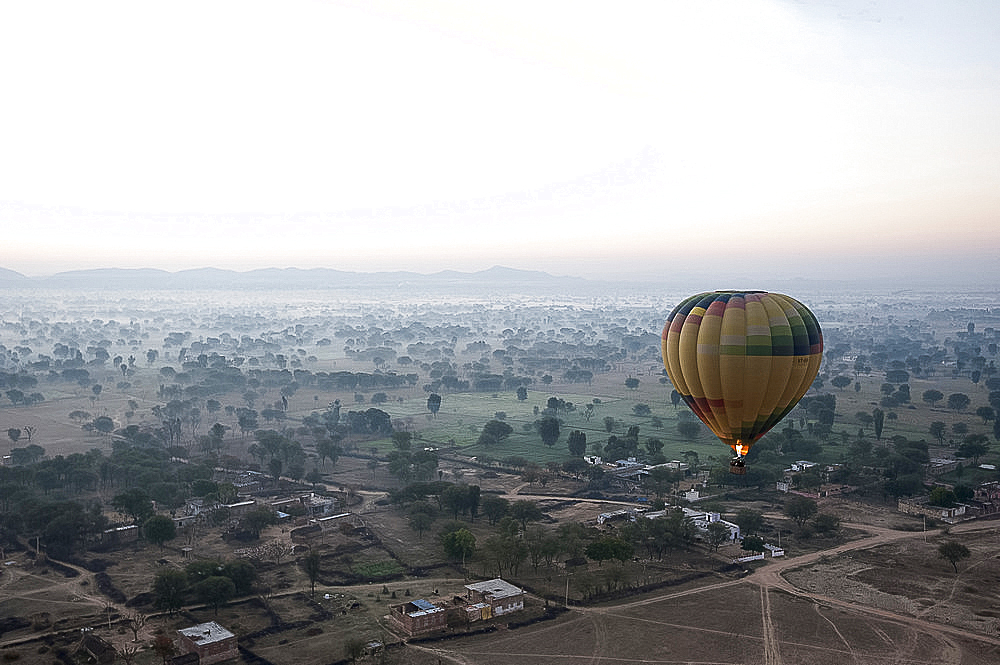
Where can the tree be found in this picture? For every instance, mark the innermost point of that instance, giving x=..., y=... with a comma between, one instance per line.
x=128, y=652
x=718, y=533
x=689, y=429
x=455, y=498
x=753, y=544
x=164, y=647
x=275, y=466
x=354, y=648
x=958, y=401
x=800, y=509
x=974, y=446
x=987, y=413
x=878, y=419
x=897, y=376
x=494, y=432
x=459, y=545
x=402, y=440
x=135, y=621
x=104, y=425
x=255, y=521
x=642, y=410
x=311, y=565
x=158, y=529
x=327, y=448
x=937, y=429
x=840, y=382
x=522, y=393
x=420, y=522
x=14, y=434
x=434, y=403
x=215, y=591
x=953, y=552
x=826, y=523
x=495, y=507
x=749, y=520
x=607, y=548
x=577, y=443
x=548, y=429
x=525, y=511
x=942, y=496
x=170, y=587
x=632, y=383
x=133, y=503
x=932, y=397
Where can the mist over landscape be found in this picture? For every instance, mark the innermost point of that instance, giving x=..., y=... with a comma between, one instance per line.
x=444, y=332
x=441, y=423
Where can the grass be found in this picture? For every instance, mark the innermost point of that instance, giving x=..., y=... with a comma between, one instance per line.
x=377, y=570
x=462, y=416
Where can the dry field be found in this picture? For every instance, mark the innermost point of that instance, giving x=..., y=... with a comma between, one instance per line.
x=885, y=598
x=762, y=619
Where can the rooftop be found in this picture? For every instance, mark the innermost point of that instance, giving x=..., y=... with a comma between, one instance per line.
x=495, y=587
x=206, y=633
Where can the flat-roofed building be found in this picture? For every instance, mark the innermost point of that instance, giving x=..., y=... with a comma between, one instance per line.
x=210, y=641
x=502, y=597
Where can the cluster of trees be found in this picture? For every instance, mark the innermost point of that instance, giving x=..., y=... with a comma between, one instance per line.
x=55, y=500
x=214, y=583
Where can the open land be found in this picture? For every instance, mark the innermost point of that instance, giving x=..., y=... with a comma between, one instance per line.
x=874, y=592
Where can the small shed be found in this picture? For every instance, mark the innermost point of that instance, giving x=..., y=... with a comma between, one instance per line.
x=98, y=648
x=210, y=641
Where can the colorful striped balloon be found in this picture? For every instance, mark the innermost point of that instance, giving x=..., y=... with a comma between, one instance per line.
x=741, y=360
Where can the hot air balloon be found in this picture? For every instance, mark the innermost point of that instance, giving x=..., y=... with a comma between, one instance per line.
x=741, y=360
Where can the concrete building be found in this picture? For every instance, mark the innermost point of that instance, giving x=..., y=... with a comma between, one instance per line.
x=501, y=597
x=210, y=641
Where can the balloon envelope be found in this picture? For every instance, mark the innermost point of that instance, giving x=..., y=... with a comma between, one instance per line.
x=741, y=360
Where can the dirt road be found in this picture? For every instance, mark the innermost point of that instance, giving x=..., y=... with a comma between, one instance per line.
x=771, y=577
x=899, y=638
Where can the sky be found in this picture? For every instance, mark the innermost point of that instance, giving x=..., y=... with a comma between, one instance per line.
x=744, y=139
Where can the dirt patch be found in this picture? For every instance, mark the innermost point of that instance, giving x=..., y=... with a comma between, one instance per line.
x=910, y=578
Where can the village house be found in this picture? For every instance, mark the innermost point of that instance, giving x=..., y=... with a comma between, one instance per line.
x=701, y=519
x=921, y=506
x=987, y=498
x=501, y=597
x=240, y=508
x=119, y=535
x=418, y=616
x=315, y=505
x=482, y=600
x=100, y=650
x=210, y=641
x=337, y=522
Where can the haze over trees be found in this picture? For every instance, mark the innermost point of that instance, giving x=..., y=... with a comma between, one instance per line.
x=433, y=403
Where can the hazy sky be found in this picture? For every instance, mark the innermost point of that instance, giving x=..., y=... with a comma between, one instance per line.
x=600, y=139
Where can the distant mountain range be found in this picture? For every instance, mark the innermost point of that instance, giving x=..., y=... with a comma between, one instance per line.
x=497, y=277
